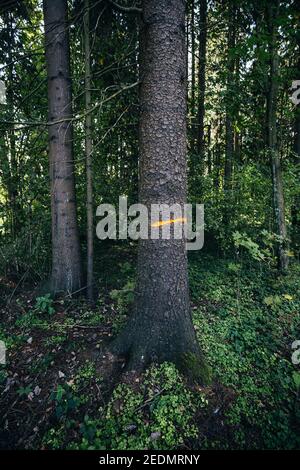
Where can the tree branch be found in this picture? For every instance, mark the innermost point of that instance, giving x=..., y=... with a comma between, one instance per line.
x=126, y=9
x=73, y=118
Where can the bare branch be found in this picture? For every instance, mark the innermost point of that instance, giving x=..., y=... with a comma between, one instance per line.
x=70, y=119
x=126, y=9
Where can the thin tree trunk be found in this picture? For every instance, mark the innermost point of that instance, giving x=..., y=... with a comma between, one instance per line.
x=278, y=196
x=201, y=80
x=66, y=263
x=296, y=203
x=296, y=148
x=209, y=157
x=229, y=147
x=237, y=136
x=218, y=151
x=161, y=327
x=13, y=190
x=88, y=153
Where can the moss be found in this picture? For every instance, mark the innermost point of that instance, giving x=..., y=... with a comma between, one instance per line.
x=195, y=367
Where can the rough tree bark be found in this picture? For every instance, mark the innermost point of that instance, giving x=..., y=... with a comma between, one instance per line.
x=201, y=79
x=88, y=156
x=193, y=76
x=66, y=263
x=277, y=186
x=161, y=328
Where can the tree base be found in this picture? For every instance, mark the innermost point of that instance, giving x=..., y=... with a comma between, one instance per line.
x=195, y=368
x=139, y=353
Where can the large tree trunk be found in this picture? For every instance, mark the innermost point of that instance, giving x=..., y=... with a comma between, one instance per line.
x=66, y=264
x=201, y=80
x=277, y=186
x=161, y=327
x=193, y=76
x=88, y=154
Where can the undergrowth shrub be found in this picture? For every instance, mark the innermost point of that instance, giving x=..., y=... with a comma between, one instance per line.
x=155, y=413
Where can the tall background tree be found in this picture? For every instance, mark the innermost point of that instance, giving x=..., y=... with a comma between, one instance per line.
x=88, y=151
x=272, y=141
x=66, y=260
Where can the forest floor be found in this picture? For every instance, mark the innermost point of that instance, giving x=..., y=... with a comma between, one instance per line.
x=59, y=390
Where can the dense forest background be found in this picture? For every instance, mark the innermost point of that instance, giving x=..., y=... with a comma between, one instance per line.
x=60, y=388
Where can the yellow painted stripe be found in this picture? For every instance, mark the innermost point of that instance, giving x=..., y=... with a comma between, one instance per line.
x=168, y=222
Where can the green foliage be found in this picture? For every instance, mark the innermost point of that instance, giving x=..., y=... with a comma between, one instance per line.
x=123, y=297
x=70, y=396
x=155, y=413
x=10, y=340
x=296, y=378
x=3, y=375
x=246, y=317
x=55, y=340
x=45, y=304
x=54, y=438
x=24, y=391
x=37, y=317
x=246, y=332
x=92, y=318
x=65, y=400
x=31, y=319
x=242, y=240
x=86, y=372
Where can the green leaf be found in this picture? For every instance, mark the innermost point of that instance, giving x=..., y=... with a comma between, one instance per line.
x=296, y=378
